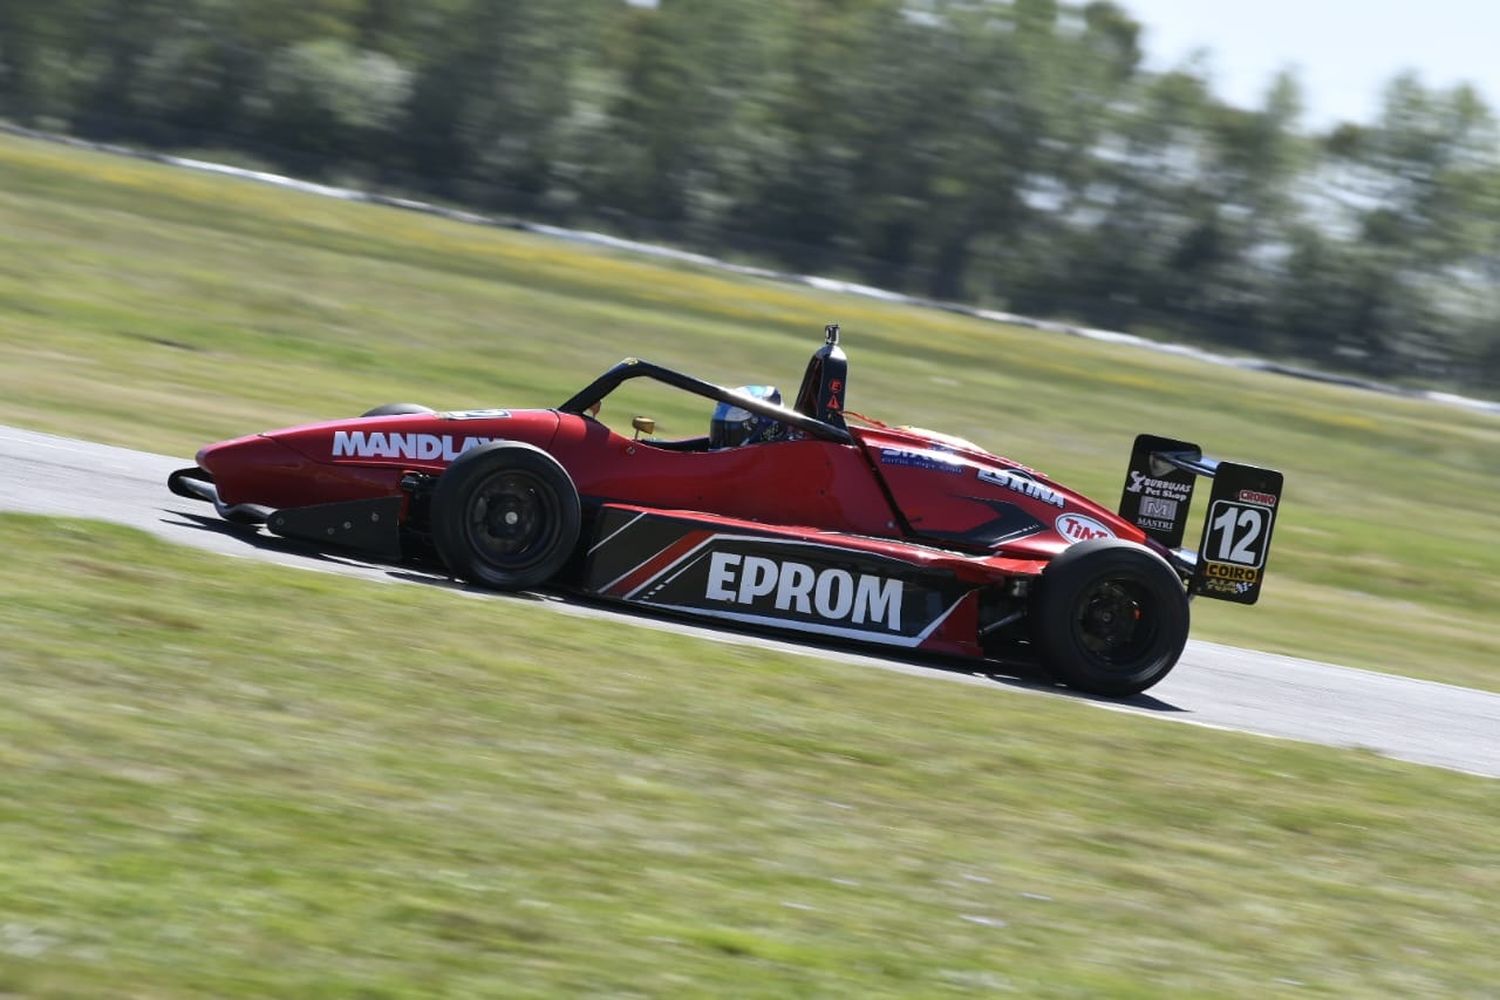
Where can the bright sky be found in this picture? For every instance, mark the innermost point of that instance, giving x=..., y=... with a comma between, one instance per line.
x=1344, y=50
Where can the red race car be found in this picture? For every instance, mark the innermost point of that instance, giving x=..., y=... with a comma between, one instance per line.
x=804, y=518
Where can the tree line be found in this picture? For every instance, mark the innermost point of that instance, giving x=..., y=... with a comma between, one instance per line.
x=1013, y=154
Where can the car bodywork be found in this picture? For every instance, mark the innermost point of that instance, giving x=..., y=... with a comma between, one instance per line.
x=844, y=529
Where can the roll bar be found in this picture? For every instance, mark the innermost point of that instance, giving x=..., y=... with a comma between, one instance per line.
x=631, y=368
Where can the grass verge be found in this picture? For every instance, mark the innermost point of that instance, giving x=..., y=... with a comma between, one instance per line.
x=157, y=308
x=239, y=780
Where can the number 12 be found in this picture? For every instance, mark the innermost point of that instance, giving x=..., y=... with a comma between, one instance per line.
x=1248, y=522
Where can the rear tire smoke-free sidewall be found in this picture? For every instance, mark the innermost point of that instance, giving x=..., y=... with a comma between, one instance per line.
x=1111, y=618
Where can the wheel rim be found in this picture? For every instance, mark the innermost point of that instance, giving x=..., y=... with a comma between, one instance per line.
x=1116, y=623
x=511, y=521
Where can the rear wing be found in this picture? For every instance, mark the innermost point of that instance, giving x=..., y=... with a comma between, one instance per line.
x=1230, y=563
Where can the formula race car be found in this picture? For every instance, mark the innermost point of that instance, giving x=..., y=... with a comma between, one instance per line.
x=805, y=518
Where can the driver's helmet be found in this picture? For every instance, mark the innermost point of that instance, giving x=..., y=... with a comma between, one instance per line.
x=733, y=425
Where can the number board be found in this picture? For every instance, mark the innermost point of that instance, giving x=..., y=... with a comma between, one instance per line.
x=1237, y=533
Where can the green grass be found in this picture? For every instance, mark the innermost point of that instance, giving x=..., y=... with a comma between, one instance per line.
x=150, y=307
x=229, y=779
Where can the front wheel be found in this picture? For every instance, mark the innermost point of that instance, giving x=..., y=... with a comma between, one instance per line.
x=505, y=515
x=392, y=409
x=1111, y=617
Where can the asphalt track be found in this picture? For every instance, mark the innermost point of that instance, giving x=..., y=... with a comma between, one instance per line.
x=1214, y=685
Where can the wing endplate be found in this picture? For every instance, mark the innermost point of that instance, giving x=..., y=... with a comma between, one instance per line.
x=1158, y=490
x=1237, y=533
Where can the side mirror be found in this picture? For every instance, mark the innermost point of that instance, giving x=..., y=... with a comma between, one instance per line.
x=643, y=425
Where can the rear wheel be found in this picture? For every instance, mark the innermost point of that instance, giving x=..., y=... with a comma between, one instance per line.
x=392, y=409
x=1111, y=617
x=506, y=515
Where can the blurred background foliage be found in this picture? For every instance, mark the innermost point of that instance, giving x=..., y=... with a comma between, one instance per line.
x=1012, y=154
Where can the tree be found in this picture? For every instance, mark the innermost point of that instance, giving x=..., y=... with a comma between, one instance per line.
x=329, y=98
x=491, y=94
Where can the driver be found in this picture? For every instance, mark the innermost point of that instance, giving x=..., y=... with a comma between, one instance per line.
x=732, y=425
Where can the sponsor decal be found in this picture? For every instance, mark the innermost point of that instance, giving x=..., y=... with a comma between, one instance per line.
x=911, y=458
x=834, y=595
x=1078, y=528
x=1022, y=485
x=1255, y=496
x=1215, y=586
x=1166, y=488
x=422, y=447
x=789, y=583
x=1159, y=509
x=1227, y=571
x=476, y=415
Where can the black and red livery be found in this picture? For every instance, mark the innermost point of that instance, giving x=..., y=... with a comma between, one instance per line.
x=840, y=527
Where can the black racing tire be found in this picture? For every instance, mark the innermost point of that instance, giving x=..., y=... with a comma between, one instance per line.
x=392, y=409
x=1110, y=617
x=505, y=515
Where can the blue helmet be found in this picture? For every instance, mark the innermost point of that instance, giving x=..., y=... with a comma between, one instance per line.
x=733, y=425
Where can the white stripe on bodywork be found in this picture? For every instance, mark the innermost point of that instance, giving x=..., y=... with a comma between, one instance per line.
x=761, y=539
x=681, y=571
x=601, y=542
x=665, y=569
x=816, y=627
x=652, y=556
